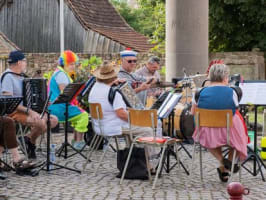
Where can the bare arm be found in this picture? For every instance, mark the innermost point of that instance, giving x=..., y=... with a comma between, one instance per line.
x=62, y=87
x=193, y=107
x=7, y=93
x=122, y=114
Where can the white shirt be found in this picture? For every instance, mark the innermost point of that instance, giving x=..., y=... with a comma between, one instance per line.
x=112, y=124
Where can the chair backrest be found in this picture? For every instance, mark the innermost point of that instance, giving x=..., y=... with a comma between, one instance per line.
x=143, y=118
x=214, y=118
x=96, y=111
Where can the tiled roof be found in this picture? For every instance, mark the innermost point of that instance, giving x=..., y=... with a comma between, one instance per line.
x=6, y=45
x=101, y=16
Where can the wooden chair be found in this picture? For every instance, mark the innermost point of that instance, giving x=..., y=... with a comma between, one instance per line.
x=213, y=119
x=97, y=114
x=148, y=118
x=21, y=132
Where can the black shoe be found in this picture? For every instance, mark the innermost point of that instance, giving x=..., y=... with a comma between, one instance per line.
x=2, y=176
x=30, y=148
x=31, y=152
x=224, y=176
x=228, y=165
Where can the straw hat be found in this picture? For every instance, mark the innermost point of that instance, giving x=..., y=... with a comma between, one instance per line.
x=106, y=71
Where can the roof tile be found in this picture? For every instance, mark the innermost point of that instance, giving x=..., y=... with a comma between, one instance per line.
x=101, y=16
x=6, y=45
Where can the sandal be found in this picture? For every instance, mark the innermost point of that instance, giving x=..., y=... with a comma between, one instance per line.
x=228, y=164
x=23, y=164
x=224, y=176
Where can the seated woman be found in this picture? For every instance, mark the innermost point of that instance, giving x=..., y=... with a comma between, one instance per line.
x=8, y=140
x=59, y=80
x=219, y=96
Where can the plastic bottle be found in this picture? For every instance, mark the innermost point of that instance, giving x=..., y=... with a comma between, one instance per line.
x=52, y=155
x=159, y=130
x=263, y=148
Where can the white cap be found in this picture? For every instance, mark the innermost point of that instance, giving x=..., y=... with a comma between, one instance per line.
x=126, y=53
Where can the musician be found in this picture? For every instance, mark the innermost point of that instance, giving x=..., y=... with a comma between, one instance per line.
x=207, y=81
x=11, y=84
x=59, y=80
x=128, y=65
x=8, y=139
x=115, y=116
x=219, y=96
x=150, y=70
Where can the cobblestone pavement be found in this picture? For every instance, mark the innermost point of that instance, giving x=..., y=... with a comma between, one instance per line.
x=65, y=184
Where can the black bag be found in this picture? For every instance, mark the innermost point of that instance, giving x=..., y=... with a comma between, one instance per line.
x=137, y=168
x=88, y=136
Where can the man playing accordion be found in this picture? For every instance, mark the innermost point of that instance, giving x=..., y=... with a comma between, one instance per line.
x=11, y=84
x=138, y=82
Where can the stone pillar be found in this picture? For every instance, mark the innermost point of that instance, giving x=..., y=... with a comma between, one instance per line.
x=186, y=37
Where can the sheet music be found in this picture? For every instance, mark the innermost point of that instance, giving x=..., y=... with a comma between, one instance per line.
x=168, y=105
x=253, y=93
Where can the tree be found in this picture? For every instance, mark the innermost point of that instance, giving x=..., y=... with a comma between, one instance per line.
x=237, y=25
x=148, y=19
x=234, y=25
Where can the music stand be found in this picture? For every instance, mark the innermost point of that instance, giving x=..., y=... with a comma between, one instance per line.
x=48, y=161
x=69, y=93
x=253, y=95
x=8, y=104
x=165, y=111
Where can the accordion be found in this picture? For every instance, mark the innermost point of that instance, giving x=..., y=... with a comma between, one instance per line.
x=34, y=93
x=128, y=94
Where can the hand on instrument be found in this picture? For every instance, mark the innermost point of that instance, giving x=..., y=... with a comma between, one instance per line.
x=144, y=86
x=118, y=81
x=34, y=115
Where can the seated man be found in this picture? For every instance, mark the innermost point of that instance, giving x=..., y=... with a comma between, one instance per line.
x=115, y=116
x=138, y=82
x=60, y=79
x=8, y=139
x=11, y=84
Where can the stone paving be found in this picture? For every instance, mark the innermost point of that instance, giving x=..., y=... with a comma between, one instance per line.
x=65, y=184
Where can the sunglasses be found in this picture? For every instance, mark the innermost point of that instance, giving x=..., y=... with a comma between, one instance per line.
x=132, y=61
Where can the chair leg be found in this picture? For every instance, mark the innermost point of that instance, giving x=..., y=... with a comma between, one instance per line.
x=201, y=169
x=117, y=144
x=159, y=168
x=126, y=165
x=192, y=162
x=95, y=145
x=89, y=152
x=177, y=157
x=232, y=168
x=240, y=174
x=148, y=163
x=104, y=152
x=22, y=133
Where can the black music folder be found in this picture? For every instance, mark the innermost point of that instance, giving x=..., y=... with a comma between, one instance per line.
x=8, y=104
x=69, y=93
x=168, y=105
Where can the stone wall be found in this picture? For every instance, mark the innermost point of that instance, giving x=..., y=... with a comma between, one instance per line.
x=251, y=65
x=45, y=62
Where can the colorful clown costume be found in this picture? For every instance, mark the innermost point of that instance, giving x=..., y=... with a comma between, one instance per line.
x=78, y=117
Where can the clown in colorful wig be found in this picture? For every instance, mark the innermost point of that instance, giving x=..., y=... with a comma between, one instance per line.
x=59, y=80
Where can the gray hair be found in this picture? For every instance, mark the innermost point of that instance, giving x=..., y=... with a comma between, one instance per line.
x=154, y=59
x=218, y=72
